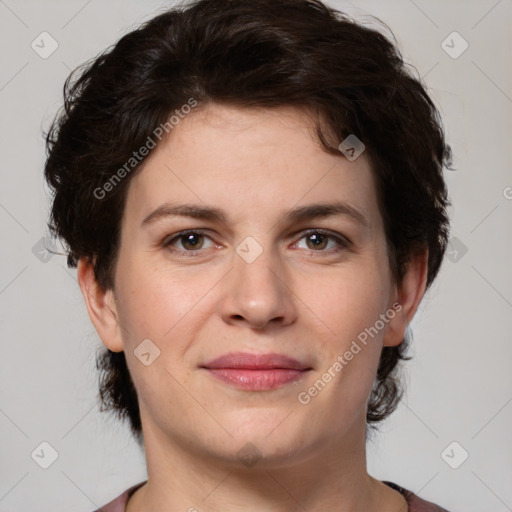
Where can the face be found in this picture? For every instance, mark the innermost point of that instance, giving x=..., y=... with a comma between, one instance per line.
x=255, y=263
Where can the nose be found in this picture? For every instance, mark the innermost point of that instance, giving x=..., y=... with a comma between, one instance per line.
x=258, y=293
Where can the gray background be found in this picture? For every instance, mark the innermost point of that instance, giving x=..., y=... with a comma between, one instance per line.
x=459, y=382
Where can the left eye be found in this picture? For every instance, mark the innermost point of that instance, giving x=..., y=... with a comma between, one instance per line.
x=318, y=240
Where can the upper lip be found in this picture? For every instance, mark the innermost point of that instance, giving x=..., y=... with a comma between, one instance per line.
x=246, y=361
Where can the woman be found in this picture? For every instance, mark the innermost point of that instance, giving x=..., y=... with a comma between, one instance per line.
x=253, y=195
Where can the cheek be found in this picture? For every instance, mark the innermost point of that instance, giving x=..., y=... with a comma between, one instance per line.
x=161, y=307
x=347, y=300
x=152, y=300
x=350, y=307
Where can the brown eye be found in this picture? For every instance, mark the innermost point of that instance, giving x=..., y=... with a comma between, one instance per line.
x=323, y=242
x=192, y=241
x=316, y=241
x=188, y=242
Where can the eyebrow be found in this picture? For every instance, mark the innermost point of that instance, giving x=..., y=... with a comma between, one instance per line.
x=299, y=214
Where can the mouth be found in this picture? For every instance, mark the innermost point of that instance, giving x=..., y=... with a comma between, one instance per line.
x=256, y=372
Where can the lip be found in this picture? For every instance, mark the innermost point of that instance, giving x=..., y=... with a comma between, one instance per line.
x=256, y=372
x=246, y=361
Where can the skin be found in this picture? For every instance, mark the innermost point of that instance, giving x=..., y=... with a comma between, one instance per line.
x=297, y=299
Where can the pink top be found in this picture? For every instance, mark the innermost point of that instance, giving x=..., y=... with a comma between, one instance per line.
x=416, y=504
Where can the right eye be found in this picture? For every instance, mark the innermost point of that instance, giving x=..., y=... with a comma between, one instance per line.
x=192, y=241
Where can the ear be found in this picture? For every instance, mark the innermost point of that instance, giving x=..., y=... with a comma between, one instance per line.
x=101, y=306
x=407, y=298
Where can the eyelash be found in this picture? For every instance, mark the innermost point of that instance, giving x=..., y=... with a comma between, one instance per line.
x=343, y=243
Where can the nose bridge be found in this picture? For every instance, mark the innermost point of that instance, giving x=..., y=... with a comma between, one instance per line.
x=263, y=270
x=257, y=290
x=256, y=268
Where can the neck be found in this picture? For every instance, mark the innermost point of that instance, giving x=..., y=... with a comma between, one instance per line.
x=334, y=478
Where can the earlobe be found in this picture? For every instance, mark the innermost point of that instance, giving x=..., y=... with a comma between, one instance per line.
x=407, y=299
x=101, y=307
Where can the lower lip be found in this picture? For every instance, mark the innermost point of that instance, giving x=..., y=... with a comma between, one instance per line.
x=257, y=380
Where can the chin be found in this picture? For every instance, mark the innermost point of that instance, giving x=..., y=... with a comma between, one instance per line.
x=266, y=439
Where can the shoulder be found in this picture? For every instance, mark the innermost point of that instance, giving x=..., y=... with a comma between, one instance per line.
x=416, y=504
x=119, y=504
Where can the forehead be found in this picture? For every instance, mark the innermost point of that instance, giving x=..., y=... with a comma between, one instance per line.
x=252, y=161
